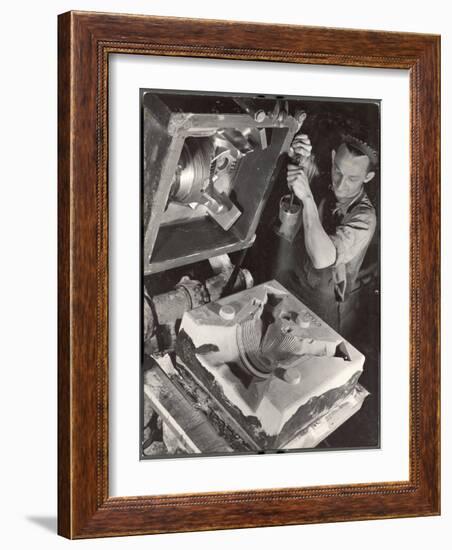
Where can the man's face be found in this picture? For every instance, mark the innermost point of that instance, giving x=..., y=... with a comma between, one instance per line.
x=348, y=173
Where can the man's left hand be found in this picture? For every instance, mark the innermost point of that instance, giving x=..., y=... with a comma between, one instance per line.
x=298, y=182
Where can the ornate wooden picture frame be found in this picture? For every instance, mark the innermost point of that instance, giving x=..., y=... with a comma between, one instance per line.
x=86, y=40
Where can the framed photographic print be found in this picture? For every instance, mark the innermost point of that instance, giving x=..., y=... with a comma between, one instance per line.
x=248, y=274
x=235, y=313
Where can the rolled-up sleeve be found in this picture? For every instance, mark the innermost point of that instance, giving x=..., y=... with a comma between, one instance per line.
x=354, y=234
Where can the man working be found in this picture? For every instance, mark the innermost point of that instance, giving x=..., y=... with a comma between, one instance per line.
x=331, y=244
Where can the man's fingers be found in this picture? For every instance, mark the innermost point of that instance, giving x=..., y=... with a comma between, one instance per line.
x=303, y=138
x=295, y=170
x=293, y=179
x=302, y=147
x=299, y=173
x=298, y=144
x=301, y=152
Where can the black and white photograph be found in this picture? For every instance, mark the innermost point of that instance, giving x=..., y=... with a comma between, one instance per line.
x=260, y=269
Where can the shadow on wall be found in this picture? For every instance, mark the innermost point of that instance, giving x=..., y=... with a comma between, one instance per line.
x=49, y=523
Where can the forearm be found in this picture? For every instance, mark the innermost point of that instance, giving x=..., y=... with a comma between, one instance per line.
x=319, y=246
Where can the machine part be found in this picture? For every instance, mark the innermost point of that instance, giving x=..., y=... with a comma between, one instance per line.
x=148, y=316
x=164, y=310
x=290, y=213
x=289, y=217
x=273, y=376
x=227, y=313
x=249, y=336
x=197, y=171
x=265, y=336
x=216, y=285
x=184, y=428
x=303, y=321
x=195, y=290
x=220, y=208
x=275, y=114
x=194, y=179
x=292, y=376
x=220, y=263
x=265, y=348
x=193, y=170
x=249, y=107
x=170, y=306
x=234, y=273
x=252, y=309
x=290, y=210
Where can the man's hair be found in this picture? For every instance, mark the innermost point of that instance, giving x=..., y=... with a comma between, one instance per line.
x=359, y=148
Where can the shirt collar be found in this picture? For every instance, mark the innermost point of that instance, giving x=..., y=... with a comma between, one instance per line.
x=342, y=207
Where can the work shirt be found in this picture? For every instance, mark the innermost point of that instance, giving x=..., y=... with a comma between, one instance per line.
x=350, y=226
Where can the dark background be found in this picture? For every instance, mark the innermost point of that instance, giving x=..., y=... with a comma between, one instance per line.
x=326, y=121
